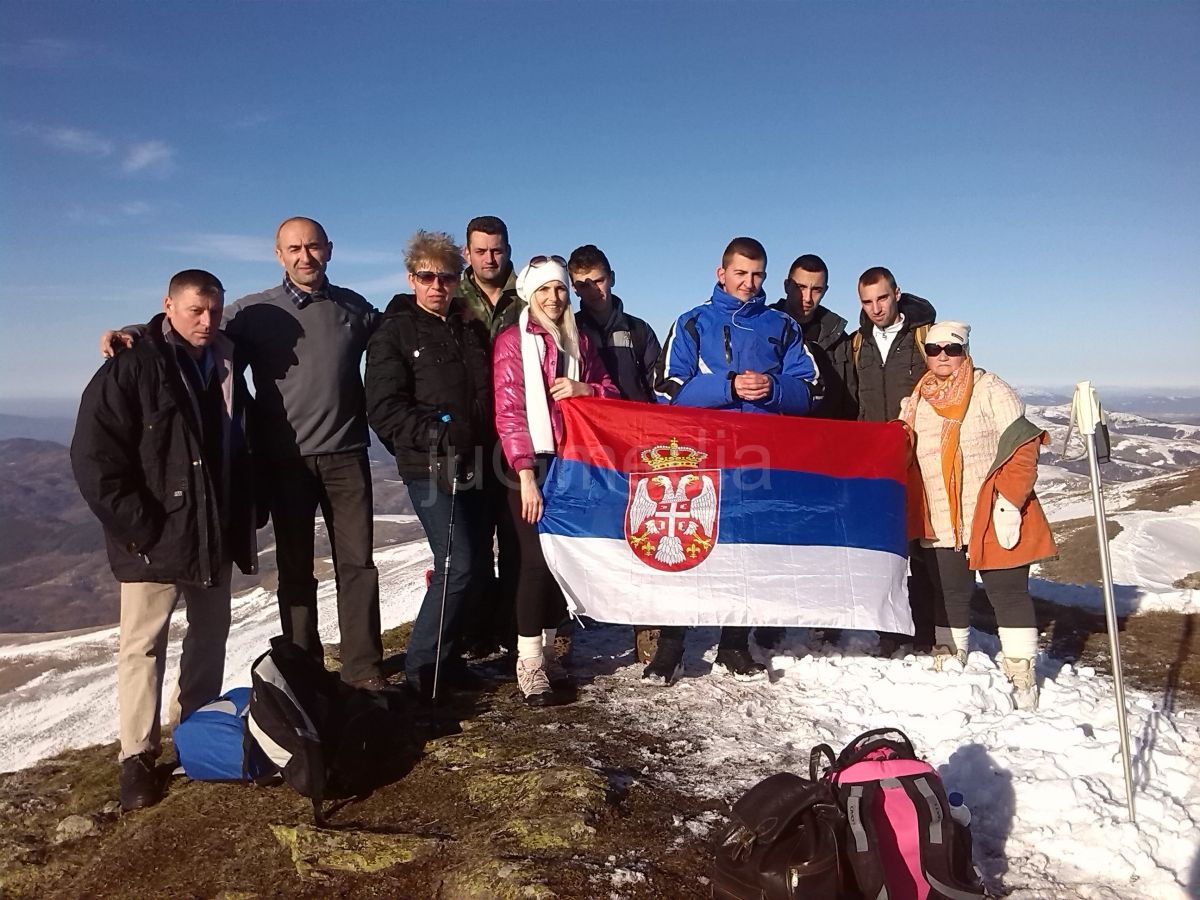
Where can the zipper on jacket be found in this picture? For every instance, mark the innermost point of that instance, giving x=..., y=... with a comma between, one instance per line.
x=728, y=345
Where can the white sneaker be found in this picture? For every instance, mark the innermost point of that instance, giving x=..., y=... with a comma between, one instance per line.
x=942, y=655
x=1023, y=676
x=533, y=682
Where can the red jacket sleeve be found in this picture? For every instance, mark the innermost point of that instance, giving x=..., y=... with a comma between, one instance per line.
x=508, y=382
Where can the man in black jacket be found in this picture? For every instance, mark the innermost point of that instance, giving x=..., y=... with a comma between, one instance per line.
x=888, y=356
x=161, y=457
x=887, y=351
x=824, y=335
x=429, y=398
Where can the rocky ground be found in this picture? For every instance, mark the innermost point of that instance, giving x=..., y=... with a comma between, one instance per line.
x=501, y=801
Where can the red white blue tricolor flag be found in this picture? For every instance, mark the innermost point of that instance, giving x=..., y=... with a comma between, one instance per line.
x=668, y=515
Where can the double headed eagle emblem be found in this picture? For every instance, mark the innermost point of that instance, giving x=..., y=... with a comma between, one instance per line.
x=672, y=513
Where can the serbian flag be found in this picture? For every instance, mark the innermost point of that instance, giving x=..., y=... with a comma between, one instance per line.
x=671, y=515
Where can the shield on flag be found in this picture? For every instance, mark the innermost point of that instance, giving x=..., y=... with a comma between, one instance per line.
x=672, y=513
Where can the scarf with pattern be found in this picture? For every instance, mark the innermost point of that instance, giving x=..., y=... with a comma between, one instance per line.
x=949, y=399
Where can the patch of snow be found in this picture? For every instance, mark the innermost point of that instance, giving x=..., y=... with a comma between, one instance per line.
x=73, y=701
x=1045, y=788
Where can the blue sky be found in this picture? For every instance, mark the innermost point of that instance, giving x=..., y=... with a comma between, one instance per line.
x=1029, y=168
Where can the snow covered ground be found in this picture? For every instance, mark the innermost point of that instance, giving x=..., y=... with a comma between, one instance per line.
x=72, y=701
x=1046, y=789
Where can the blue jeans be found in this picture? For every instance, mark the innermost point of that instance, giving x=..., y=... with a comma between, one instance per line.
x=469, y=556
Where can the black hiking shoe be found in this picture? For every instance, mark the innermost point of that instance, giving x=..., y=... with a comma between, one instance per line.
x=140, y=785
x=667, y=663
x=738, y=662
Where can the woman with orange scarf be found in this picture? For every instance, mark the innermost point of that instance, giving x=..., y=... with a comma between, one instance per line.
x=973, y=505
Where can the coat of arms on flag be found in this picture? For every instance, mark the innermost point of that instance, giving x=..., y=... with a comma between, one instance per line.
x=671, y=518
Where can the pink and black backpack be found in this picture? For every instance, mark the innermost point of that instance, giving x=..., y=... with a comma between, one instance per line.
x=899, y=840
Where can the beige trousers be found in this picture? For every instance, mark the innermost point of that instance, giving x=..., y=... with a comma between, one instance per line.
x=146, y=609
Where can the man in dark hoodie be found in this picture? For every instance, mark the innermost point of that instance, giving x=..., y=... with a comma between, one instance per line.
x=887, y=352
x=824, y=335
x=627, y=344
x=888, y=358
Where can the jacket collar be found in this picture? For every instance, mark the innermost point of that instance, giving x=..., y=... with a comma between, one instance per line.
x=732, y=304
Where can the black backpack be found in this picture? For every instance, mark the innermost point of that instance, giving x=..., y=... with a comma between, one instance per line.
x=329, y=740
x=783, y=843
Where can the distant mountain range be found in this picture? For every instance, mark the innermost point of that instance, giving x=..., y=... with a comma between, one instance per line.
x=54, y=574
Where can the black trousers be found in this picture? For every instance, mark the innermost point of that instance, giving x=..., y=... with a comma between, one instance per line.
x=953, y=584
x=491, y=613
x=340, y=485
x=540, y=601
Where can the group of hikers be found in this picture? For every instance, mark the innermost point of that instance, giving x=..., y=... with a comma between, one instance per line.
x=464, y=378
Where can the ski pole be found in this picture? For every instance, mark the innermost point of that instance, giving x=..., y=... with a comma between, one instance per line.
x=1085, y=412
x=437, y=662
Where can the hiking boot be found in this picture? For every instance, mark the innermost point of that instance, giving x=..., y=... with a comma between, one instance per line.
x=560, y=679
x=645, y=642
x=1023, y=676
x=533, y=682
x=375, y=683
x=140, y=786
x=738, y=662
x=484, y=648
x=943, y=655
x=667, y=663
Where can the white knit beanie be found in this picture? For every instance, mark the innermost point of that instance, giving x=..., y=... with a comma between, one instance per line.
x=530, y=278
x=949, y=333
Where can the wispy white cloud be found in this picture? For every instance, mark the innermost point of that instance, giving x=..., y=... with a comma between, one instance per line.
x=110, y=215
x=149, y=156
x=39, y=53
x=239, y=247
x=67, y=139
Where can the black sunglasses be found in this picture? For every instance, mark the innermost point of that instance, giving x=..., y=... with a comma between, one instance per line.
x=932, y=350
x=443, y=278
x=542, y=260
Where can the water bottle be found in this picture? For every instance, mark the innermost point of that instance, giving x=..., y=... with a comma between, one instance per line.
x=959, y=811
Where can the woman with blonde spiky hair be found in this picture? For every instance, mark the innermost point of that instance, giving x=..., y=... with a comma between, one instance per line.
x=537, y=363
x=429, y=399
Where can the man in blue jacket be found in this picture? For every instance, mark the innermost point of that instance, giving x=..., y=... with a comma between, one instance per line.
x=734, y=352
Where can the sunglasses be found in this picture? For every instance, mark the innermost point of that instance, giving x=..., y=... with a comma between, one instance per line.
x=443, y=278
x=542, y=260
x=935, y=350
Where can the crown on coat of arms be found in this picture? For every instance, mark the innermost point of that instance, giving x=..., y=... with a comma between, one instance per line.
x=672, y=456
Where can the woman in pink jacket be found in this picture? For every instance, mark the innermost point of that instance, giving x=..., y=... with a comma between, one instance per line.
x=537, y=363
